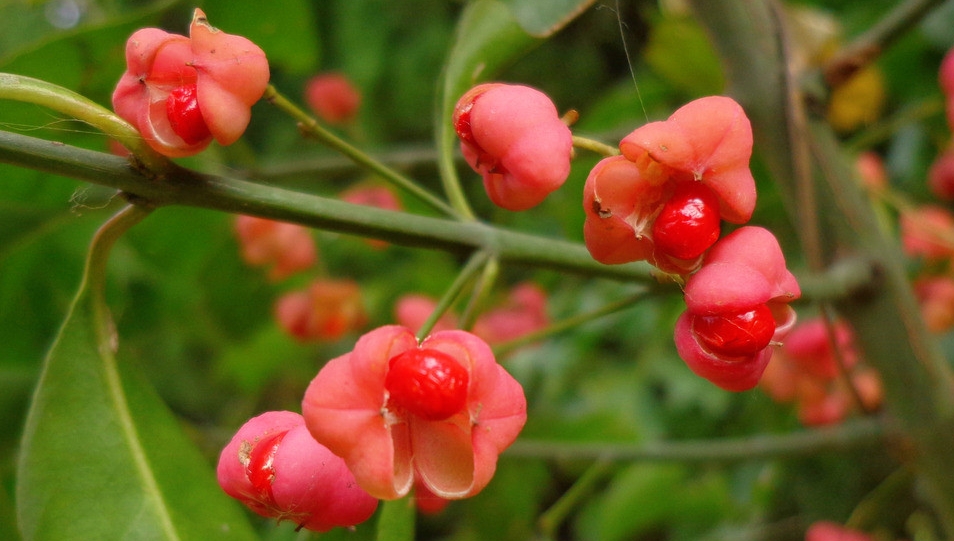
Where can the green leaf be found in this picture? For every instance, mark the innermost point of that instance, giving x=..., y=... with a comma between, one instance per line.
x=284, y=29
x=680, y=52
x=101, y=456
x=542, y=18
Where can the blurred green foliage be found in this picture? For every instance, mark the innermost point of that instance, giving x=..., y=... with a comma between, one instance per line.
x=199, y=322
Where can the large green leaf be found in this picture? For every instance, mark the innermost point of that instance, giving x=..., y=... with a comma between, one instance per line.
x=101, y=456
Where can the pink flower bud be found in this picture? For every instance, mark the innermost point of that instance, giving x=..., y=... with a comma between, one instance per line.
x=274, y=466
x=282, y=247
x=333, y=98
x=513, y=137
x=736, y=306
x=350, y=407
x=325, y=311
x=181, y=92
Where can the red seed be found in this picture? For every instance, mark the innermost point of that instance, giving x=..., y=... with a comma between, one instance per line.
x=428, y=383
x=182, y=108
x=689, y=221
x=736, y=334
x=261, y=465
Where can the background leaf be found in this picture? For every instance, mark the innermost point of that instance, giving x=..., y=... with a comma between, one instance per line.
x=541, y=18
x=102, y=457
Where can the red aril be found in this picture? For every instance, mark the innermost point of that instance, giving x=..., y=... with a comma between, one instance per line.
x=182, y=108
x=428, y=383
x=688, y=223
x=735, y=334
x=261, y=465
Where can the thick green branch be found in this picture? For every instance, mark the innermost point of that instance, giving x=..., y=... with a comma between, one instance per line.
x=181, y=186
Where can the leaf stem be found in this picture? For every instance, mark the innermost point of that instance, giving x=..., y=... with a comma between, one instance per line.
x=477, y=262
x=94, y=275
x=594, y=146
x=480, y=293
x=57, y=98
x=396, y=520
x=570, y=323
x=551, y=519
x=310, y=126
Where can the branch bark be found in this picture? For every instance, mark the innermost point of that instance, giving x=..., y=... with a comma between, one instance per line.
x=180, y=186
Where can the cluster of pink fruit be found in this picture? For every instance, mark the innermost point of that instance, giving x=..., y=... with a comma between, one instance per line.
x=390, y=415
x=662, y=201
x=397, y=412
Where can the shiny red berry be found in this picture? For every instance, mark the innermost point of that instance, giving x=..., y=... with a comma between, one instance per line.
x=261, y=464
x=182, y=108
x=688, y=223
x=736, y=334
x=428, y=383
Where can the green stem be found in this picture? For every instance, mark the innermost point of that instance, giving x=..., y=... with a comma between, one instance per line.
x=477, y=261
x=57, y=98
x=885, y=129
x=311, y=127
x=551, y=519
x=396, y=520
x=570, y=323
x=480, y=293
x=95, y=272
x=181, y=186
x=450, y=180
x=594, y=146
x=885, y=496
x=852, y=434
